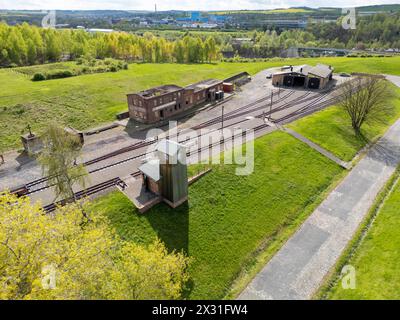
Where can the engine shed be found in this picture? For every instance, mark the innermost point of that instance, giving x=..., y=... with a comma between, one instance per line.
x=304, y=76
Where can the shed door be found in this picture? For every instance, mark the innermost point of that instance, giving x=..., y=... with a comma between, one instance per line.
x=288, y=81
x=313, y=83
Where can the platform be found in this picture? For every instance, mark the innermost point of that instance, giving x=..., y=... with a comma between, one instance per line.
x=135, y=191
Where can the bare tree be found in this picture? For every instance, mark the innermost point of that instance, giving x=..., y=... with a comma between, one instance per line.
x=366, y=99
x=59, y=162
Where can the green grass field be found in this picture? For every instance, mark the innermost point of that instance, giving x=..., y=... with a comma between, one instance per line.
x=331, y=129
x=228, y=217
x=377, y=259
x=89, y=100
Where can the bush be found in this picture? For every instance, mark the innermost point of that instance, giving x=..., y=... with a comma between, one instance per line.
x=38, y=77
x=59, y=74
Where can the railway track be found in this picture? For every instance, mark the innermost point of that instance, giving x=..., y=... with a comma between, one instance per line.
x=117, y=180
x=40, y=184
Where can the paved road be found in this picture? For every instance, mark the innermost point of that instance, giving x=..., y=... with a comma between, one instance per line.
x=298, y=269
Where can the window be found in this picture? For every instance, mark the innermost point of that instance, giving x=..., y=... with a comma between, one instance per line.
x=155, y=102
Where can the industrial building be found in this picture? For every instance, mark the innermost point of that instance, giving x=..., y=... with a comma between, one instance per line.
x=164, y=102
x=304, y=76
x=166, y=175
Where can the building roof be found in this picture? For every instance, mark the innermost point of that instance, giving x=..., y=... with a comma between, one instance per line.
x=169, y=147
x=321, y=70
x=303, y=69
x=159, y=91
x=205, y=84
x=151, y=169
x=237, y=76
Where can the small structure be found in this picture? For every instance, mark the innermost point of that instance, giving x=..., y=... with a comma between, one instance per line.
x=32, y=143
x=239, y=79
x=160, y=103
x=166, y=175
x=304, y=76
x=228, y=87
x=78, y=134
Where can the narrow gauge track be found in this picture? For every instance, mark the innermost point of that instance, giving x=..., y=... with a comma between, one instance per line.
x=29, y=192
x=233, y=114
x=308, y=109
x=142, y=144
x=252, y=104
x=115, y=181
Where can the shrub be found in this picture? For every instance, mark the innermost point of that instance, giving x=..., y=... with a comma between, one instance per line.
x=59, y=74
x=108, y=61
x=38, y=77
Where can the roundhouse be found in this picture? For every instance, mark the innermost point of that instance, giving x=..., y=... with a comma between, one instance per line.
x=304, y=76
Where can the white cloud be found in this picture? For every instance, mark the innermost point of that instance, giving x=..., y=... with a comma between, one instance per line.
x=180, y=4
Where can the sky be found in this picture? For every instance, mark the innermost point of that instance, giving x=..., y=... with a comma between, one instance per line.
x=180, y=4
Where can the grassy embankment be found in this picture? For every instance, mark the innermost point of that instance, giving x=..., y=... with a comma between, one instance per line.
x=331, y=129
x=90, y=100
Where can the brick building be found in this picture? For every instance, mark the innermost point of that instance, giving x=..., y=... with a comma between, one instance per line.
x=166, y=101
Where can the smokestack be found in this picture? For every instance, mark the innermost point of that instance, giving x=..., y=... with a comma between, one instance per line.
x=155, y=7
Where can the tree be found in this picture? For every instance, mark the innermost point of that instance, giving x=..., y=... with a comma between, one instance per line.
x=53, y=257
x=366, y=99
x=61, y=151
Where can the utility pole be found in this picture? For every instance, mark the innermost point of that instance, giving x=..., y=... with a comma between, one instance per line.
x=30, y=131
x=270, y=107
x=222, y=117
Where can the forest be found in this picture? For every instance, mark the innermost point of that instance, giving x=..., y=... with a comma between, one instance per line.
x=25, y=44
